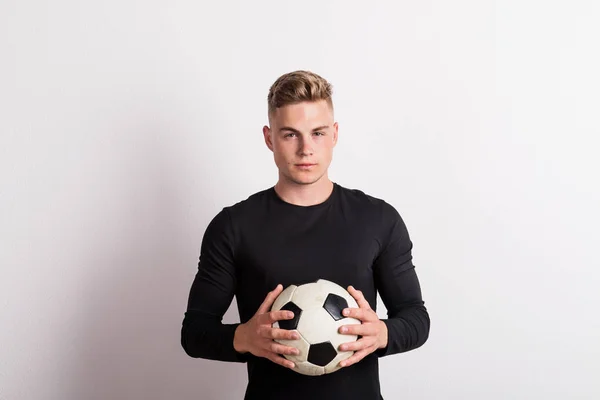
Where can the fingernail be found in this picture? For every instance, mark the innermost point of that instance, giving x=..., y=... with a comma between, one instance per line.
x=295, y=336
x=290, y=314
x=346, y=311
x=344, y=329
x=342, y=347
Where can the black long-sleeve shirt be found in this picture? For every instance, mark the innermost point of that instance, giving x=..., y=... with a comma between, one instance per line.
x=351, y=238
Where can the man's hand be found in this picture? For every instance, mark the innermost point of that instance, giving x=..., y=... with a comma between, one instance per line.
x=373, y=331
x=256, y=336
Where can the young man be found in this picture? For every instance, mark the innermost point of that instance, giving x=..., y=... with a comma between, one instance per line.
x=304, y=228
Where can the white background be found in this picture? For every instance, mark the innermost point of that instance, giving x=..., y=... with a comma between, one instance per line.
x=125, y=126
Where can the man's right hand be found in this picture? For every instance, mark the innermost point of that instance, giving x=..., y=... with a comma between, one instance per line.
x=256, y=336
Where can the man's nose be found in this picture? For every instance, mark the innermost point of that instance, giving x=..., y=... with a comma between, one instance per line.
x=306, y=147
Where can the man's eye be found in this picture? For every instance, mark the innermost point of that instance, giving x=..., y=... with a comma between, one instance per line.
x=319, y=133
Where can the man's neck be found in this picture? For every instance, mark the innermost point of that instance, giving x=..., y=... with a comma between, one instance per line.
x=304, y=195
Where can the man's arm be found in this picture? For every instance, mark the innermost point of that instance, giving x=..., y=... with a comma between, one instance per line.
x=397, y=282
x=203, y=335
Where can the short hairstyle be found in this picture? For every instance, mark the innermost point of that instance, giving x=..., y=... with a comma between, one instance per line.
x=296, y=87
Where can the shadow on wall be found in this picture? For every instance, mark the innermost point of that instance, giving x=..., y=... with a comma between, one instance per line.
x=142, y=262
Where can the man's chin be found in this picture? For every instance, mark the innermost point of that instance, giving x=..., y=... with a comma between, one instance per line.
x=305, y=180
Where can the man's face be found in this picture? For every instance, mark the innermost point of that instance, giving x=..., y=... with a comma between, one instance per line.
x=302, y=137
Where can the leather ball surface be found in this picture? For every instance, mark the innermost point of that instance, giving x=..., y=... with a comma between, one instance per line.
x=317, y=308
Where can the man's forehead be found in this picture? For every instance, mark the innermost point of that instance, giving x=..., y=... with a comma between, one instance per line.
x=316, y=114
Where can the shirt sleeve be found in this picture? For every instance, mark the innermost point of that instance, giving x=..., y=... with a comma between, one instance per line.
x=203, y=335
x=398, y=285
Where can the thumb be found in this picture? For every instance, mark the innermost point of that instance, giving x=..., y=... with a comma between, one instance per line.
x=270, y=299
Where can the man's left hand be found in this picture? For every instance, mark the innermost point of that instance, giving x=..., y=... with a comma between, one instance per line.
x=373, y=330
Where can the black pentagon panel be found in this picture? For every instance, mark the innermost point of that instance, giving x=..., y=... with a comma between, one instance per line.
x=334, y=305
x=321, y=354
x=290, y=324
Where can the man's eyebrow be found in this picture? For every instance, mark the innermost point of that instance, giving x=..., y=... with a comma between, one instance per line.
x=289, y=128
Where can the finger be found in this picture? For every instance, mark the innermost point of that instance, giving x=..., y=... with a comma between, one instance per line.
x=274, y=316
x=359, y=297
x=277, y=359
x=356, y=357
x=358, y=345
x=365, y=315
x=281, y=334
x=268, y=332
x=360, y=330
x=278, y=348
x=270, y=299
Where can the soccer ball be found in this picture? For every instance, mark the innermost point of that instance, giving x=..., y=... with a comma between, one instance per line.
x=317, y=308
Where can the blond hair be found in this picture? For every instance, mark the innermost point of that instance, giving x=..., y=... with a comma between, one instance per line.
x=298, y=86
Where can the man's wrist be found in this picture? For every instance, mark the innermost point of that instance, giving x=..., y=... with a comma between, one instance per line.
x=238, y=339
x=383, y=335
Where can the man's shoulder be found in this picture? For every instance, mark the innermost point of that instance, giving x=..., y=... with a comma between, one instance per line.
x=250, y=202
x=366, y=200
x=359, y=195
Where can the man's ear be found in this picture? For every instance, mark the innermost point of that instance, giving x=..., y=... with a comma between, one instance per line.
x=335, y=133
x=267, y=137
